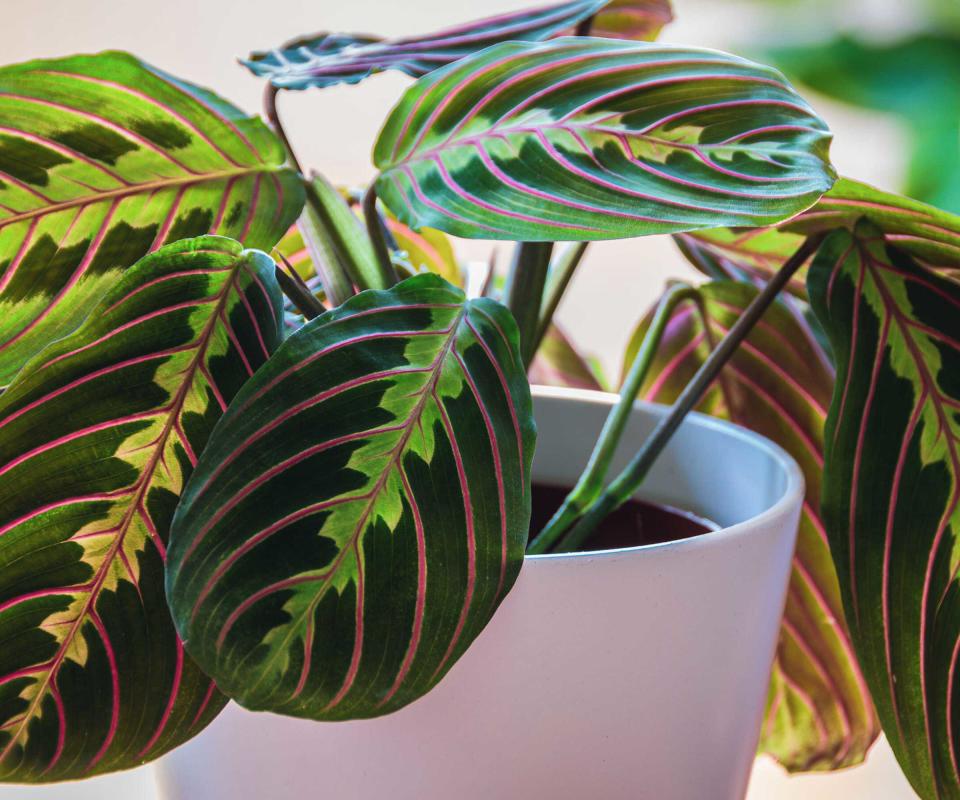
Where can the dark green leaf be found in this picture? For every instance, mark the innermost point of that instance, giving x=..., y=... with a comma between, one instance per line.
x=97, y=436
x=362, y=508
x=891, y=489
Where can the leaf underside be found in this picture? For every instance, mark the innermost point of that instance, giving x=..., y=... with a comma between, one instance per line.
x=103, y=159
x=581, y=138
x=819, y=714
x=363, y=507
x=97, y=436
x=891, y=488
x=327, y=59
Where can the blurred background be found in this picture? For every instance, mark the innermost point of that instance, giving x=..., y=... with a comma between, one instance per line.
x=885, y=74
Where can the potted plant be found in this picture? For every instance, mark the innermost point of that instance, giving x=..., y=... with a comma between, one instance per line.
x=307, y=484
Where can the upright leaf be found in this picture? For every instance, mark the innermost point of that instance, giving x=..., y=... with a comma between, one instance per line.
x=891, y=489
x=104, y=158
x=97, y=437
x=362, y=508
x=819, y=714
x=326, y=59
x=583, y=138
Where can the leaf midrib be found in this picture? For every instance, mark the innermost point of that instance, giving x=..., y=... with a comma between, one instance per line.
x=135, y=189
x=392, y=463
x=135, y=505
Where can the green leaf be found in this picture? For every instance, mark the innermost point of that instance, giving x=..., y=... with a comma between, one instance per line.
x=331, y=58
x=641, y=20
x=427, y=250
x=103, y=159
x=97, y=436
x=928, y=234
x=581, y=139
x=891, y=488
x=819, y=714
x=362, y=508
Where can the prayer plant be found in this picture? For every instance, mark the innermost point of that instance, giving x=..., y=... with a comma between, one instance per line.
x=306, y=486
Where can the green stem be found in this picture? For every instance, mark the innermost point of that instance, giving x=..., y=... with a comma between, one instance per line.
x=623, y=487
x=524, y=291
x=557, y=281
x=378, y=235
x=591, y=481
x=299, y=293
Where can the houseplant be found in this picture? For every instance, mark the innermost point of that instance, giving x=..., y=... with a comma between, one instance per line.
x=140, y=351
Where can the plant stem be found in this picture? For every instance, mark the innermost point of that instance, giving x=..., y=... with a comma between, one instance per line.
x=626, y=483
x=298, y=292
x=270, y=111
x=524, y=291
x=591, y=481
x=557, y=281
x=378, y=235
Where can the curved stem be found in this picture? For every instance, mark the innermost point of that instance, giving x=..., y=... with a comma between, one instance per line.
x=626, y=483
x=591, y=481
x=270, y=111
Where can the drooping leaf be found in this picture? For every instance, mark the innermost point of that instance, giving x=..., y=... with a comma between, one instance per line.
x=819, y=714
x=326, y=59
x=362, y=508
x=641, y=20
x=929, y=234
x=104, y=158
x=558, y=363
x=583, y=138
x=97, y=436
x=891, y=489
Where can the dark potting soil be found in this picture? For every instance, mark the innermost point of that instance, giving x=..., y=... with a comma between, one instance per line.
x=634, y=523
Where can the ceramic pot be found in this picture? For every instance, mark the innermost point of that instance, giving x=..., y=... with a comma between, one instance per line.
x=638, y=673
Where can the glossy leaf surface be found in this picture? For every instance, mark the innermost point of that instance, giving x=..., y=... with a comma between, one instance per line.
x=363, y=507
x=582, y=138
x=104, y=158
x=97, y=437
x=327, y=59
x=819, y=715
x=891, y=489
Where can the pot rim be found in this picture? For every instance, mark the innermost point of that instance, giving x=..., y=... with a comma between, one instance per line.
x=791, y=498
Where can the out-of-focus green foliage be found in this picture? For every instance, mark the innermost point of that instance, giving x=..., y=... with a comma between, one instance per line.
x=917, y=78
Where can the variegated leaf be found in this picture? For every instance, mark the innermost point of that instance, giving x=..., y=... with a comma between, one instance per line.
x=928, y=234
x=97, y=437
x=362, y=508
x=581, y=138
x=892, y=486
x=641, y=20
x=104, y=158
x=326, y=59
x=819, y=713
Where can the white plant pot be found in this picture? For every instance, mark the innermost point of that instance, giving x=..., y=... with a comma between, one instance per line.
x=638, y=673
